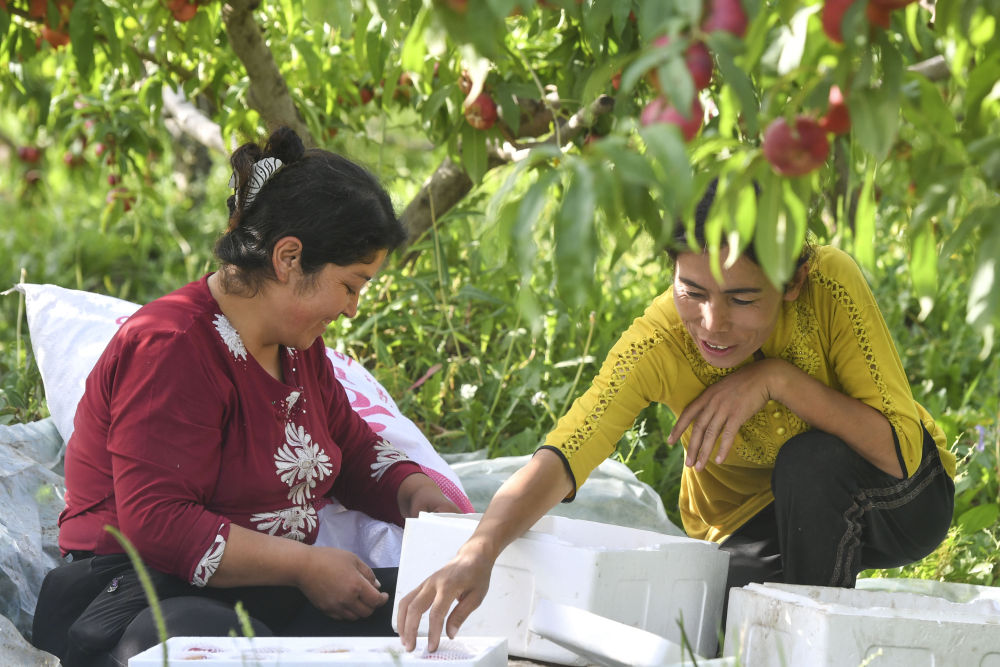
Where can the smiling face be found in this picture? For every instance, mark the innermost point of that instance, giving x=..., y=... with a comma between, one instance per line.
x=731, y=320
x=314, y=303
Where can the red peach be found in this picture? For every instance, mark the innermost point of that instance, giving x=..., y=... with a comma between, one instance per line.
x=660, y=111
x=481, y=113
x=837, y=119
x=798, y=151
x=727, y=15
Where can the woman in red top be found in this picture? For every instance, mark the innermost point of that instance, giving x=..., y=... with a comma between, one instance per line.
x=212, y=429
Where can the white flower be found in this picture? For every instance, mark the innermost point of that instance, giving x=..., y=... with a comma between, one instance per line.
x=386, y=455
x=209, y=562
x=538, y=398
x=294, y=521
x=468, y=391
x=301, y=463
x=230, y=336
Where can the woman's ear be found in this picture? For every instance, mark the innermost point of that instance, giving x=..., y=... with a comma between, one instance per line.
x=286, y=257
x=794, y=285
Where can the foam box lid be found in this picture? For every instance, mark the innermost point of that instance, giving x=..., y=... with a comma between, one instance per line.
x=313, y=651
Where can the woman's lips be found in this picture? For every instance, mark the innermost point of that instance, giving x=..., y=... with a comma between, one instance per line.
x=714, y=350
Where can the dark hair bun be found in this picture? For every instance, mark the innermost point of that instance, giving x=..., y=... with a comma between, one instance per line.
x=285, y=145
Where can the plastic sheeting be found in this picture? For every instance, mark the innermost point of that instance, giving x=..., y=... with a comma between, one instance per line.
x=30, y=502
x=612, y=494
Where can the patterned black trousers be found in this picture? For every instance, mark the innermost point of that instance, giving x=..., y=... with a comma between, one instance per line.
x=834, y=514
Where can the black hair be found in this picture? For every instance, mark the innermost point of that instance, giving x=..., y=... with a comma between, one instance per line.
x=335, y=207
x=680, y=243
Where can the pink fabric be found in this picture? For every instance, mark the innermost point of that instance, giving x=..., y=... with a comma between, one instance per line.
x=448, y=488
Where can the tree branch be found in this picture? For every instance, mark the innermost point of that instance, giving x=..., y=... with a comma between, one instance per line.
x=450, y=182
x=268, y=93
x=193, y=122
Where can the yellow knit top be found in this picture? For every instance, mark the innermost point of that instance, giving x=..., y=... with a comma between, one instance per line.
x=833, y=331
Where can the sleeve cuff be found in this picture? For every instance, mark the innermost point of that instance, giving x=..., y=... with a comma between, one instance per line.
x=569, y=470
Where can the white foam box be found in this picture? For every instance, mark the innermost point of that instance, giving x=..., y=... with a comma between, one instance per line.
x=315, y=651
x=641, y=578
x=878, y=624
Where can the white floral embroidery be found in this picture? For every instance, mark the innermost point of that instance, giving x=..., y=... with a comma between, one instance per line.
x=230, y=336
x=292, y=398
x=301, y=463
x=386, y=456
x=294, y=522
x=209, y=563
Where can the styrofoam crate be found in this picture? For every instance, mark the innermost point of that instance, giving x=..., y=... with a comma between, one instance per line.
x=641, y=578
x=314, y=651
x=899, y=626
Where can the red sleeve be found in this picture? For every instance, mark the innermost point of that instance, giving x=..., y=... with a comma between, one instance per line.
x=372, y=469
x=165, y=445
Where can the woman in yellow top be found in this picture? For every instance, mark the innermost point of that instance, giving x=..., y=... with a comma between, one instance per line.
x=808, y=459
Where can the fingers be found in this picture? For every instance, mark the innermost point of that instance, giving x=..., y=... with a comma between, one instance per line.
x=465, y=606
x=411, y=609
x=435, y=621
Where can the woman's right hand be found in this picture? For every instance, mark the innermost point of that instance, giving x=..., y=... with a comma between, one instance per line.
x=466, y=578
x=340, y=584
x=519, y=502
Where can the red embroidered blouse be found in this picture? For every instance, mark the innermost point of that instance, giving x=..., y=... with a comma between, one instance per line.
x=180, y=432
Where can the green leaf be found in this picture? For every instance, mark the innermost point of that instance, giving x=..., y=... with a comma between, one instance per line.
x=733, y=77
x=874, y=120
x=376, y=48
x=864, y=221
x=673, y=168
x=984, y=294
x=631, y=167
x=474, y=152
x=978, y=518
x=111, y=43
x=576, y=242
x=81, y=34
x=772, y=227
x=923, y=268
x=676, y=83
x=415, y=46
x=433, y=103
x=529, y=212
x=982, y=82
x=933, y=201
x=313, y=65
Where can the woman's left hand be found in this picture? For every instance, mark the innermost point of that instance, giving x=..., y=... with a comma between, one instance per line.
x=418, y=493
x=719, y=412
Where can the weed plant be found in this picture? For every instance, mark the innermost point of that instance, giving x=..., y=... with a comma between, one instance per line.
x=442, y=330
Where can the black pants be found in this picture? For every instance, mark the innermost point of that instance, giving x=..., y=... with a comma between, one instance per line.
x=835, y=514
x=190, y=612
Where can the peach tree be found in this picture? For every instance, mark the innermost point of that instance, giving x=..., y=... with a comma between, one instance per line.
x=592, y=121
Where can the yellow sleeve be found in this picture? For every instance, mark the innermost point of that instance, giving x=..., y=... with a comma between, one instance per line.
x=861, y=351
x=634, y=374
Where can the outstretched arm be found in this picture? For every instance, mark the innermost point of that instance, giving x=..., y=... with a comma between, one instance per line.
x=518, y=504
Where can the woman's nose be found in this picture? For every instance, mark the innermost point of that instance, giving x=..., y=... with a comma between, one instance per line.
x=714, y=316
x=352, y=306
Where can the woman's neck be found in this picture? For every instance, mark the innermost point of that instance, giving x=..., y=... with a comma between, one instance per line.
x=244, y=313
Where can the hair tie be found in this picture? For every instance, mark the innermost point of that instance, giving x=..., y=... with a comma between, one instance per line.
x=262, y=170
